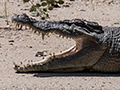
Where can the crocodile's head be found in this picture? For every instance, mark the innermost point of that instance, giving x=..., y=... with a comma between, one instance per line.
x=84, y=37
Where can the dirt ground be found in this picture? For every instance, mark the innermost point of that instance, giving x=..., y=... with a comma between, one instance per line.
x=26, y=44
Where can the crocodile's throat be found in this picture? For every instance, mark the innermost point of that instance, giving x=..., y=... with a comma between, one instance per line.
x=72, y=50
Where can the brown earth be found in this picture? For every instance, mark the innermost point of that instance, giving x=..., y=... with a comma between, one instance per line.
x=26, y=44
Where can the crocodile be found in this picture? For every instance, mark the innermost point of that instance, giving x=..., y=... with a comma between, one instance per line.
x=96, y=49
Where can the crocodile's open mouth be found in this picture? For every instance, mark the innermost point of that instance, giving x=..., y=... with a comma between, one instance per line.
x=78, y=30
x=82, y=40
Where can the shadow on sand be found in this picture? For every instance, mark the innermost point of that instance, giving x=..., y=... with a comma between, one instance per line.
x=77, y=74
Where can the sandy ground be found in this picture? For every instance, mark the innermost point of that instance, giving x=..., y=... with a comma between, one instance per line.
x=26, y=44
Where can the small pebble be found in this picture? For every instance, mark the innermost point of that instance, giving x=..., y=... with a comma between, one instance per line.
x=39, y=54
x=116, y=23
x=16, y=37
x=1, y=36
x=11, y=40
x=0, y=45
x=66, y=6
x=56, y=6
x=2, y=17
x=82, y=10
x=102, y=0
x=72, y=0
x=10, y=43
x=30, y=46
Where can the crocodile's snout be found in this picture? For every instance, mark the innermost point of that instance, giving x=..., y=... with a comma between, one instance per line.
x=23, y=18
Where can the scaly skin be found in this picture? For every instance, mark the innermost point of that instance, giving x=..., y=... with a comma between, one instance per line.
x=97, y=48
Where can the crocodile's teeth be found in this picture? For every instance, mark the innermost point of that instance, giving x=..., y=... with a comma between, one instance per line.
x=60, y=35
x=29, y=28
x=34, y=31
x=25, y=27
x=18, y=25
x=43, y=35
x=41, y=64
x=25, y=60
x=21, y=62
x=15, y=25
x=50, y=53
x=47, y=34
x=21, y=27
x=14, y=63
x=38, y=32
x=53, y=53
x=14, y=22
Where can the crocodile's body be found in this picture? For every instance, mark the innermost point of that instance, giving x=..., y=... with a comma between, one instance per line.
x=97, y=48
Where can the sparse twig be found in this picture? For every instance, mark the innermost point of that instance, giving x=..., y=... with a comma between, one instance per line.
x=6, y=16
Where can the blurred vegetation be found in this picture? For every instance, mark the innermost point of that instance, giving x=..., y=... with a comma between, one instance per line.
x=41, y=9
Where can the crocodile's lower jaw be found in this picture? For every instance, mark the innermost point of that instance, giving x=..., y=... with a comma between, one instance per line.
x=68, y=52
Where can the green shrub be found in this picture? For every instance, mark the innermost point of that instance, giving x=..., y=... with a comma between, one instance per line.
x=41, y=8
